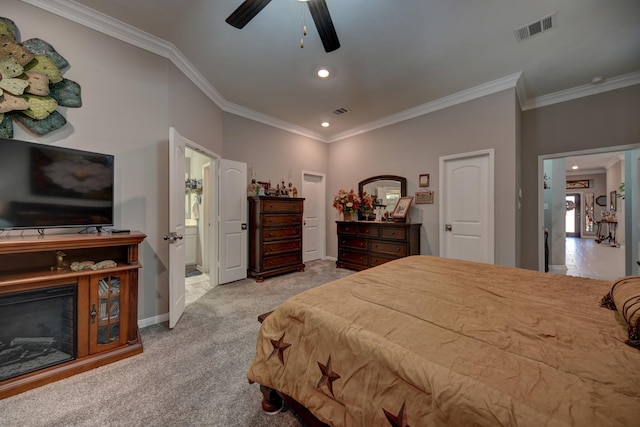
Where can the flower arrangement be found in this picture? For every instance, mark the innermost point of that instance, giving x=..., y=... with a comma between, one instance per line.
x=347, y=201
x=367, y=203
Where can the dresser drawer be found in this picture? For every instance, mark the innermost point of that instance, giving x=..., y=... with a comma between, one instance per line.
x=378, y=259
x=347, y=228
x=352, y=242
x=277, y=247
x=271, y=262
x=282, y=206
x=353, y=257
x=396, y=233
x=391, y=248
x=269, y=234
x=277, y=220
x=367, y=230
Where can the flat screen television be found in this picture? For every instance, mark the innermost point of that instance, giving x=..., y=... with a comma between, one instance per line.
x=44, y=186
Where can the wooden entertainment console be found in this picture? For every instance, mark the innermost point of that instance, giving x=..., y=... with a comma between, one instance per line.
x=106, y=300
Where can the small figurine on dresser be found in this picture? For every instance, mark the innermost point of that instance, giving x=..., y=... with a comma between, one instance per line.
x=293, y=191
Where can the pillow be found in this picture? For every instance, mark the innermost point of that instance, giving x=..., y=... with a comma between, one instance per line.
x=625, y=297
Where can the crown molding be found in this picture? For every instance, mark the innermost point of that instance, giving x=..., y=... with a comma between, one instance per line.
x=479, y=91
x=105, y=24
x=592, y=171
x=250, y=114
x=110, y=26
x=582, y=91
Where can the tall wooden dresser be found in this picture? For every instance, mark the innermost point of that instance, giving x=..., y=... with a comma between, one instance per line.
x=275, y=236
x=365, y=244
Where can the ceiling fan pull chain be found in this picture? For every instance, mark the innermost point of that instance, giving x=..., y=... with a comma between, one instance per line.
x=304, y=26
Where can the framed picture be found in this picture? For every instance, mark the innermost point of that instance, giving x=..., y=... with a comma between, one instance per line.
x=423, y=180
x=581, y=183
x=402, y=207
x=423, y=197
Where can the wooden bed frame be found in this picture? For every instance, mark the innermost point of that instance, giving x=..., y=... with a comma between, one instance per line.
x=273, y=400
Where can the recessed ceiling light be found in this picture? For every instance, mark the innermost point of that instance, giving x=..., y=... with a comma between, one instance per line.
x=325, y=124
x=574, y=167
x=323, y=73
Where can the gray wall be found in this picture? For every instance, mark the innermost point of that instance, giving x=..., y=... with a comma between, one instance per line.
x=609, y=119
x=130, y=99
x=274, y=152
x=414, y=147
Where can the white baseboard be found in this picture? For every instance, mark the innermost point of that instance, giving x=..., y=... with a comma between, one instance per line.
x=560, y=268
x=142, y=323
x=330, y=258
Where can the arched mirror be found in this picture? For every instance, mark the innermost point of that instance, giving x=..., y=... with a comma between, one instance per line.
x=385, y=189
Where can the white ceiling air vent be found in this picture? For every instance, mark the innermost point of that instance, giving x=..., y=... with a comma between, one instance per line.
x=339, y=111
x=538, y=27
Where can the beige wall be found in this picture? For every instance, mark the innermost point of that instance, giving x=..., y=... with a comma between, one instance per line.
x=273, y=151
x=414, y=147
x=608, y=119
x=130, y=99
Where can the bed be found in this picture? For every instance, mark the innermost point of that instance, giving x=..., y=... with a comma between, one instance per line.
x=428, y=341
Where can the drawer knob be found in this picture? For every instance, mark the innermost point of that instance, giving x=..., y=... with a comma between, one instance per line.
x=393, y=233
x=270, y=234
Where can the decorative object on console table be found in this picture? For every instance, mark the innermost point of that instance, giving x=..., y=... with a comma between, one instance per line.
x=275, y=236
x=362, y=245
x=103, y=317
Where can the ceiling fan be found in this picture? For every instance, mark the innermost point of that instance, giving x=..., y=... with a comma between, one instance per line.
x=319, y=12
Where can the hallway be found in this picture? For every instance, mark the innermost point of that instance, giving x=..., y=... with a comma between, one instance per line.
x=586, y=258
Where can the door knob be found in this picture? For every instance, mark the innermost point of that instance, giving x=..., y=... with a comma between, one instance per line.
x=172, y=237
x=448, y=227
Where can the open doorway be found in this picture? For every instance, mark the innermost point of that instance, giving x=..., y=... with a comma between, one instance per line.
x=200, y=191
x=572, y=217
x=574, y=202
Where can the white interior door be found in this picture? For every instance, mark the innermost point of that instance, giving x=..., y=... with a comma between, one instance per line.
x=206, y=217
x=175, y=237
x=313, y=238
x=466, y=188
x=233, y=221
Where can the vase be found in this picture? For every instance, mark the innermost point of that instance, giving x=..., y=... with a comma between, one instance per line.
x=346, y=216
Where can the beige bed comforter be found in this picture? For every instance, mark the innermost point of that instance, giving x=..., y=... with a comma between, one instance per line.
x=427, y=341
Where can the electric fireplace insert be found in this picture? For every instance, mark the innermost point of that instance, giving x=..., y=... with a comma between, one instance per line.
x=37, y=329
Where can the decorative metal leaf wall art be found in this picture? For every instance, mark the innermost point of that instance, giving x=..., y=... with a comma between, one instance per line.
x=32, y=85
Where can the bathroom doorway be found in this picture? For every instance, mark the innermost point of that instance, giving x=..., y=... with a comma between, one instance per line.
x=200, y=230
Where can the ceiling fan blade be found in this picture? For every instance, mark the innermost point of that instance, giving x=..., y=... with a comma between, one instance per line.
x=324, y=24
x=246, y=12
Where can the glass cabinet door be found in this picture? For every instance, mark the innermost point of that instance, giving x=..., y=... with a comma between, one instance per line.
x=109, y=309
x=108, y=300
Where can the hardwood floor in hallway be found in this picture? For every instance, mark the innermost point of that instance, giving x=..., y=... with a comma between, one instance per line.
x=586, y=258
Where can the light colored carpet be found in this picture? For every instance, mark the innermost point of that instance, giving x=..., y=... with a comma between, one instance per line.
x=193, y=375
